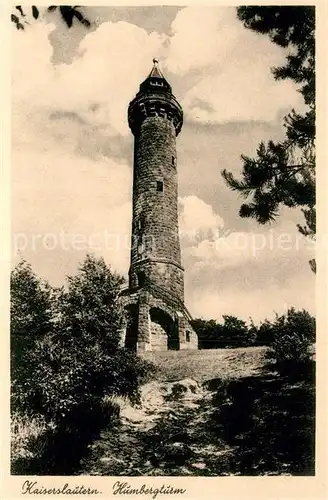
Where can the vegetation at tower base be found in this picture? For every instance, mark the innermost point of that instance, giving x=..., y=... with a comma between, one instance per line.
x=214, y=412
x=65, y=359
x=67, y=13
x=67, y=367
x=283, y=173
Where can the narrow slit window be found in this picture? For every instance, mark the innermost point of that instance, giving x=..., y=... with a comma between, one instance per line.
x=173, y=160
x=160, y=186
x=141, y=279
x=188, y=336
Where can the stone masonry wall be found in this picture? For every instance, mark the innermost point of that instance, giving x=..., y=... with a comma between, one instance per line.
x=164, y=274
x=151, y=334
x=158, y=337
x=155, y=233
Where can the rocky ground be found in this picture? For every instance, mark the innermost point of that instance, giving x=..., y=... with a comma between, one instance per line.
x=173, y=430
x=165, y=435
x=211, y=413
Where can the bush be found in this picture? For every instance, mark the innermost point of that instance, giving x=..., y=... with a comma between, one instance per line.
x=290, y=336
x=293, y=340
x=268, y=422
x=32, y=312
x=24, y=432
x=77, y=379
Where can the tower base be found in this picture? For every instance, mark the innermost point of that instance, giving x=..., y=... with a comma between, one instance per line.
x=152, y=322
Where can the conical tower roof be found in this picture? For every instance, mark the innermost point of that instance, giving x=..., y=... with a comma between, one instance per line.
x=155, y=81
x=156, y=72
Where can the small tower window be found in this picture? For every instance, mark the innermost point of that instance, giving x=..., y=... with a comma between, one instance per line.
x=141, y=279
x=173, y=160
x=160, y=186
x=187, y=336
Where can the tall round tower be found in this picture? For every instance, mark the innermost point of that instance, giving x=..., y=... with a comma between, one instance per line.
x=155, y=118
x=156, y=315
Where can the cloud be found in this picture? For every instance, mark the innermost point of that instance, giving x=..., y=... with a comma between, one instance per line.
x=227, y=82
x=72, y=150
x=70, y=206
x=239, y=93
x=71, y=194
x=233, y=251
x=249, y=274
x=201, y=37
x=244, y=273
x=197, y=220
x=230, y=68
x=71, y=179
x=110, y=64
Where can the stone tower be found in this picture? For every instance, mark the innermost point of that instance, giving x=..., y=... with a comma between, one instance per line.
x=155, y=315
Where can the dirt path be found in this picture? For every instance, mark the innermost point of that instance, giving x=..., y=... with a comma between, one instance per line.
x=169, y=434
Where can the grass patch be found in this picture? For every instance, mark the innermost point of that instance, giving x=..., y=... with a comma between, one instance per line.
x=25, y=432
x=207, y=364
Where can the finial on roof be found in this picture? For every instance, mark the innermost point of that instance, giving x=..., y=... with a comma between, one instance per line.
x=155, y=81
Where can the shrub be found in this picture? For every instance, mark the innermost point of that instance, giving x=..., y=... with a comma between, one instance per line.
x=293, y=339
x=24, y=432
x=265, y=333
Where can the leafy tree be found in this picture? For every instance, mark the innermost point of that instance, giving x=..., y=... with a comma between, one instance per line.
x=89, y=306
x=76, y=358
x=283, y=173
x=32, y=316
x=265, y=333
x=67, y=13
x=252, y=332
x=233, y=332
x=209, y=333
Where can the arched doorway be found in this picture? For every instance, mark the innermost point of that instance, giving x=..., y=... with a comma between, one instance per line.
x=164, y=330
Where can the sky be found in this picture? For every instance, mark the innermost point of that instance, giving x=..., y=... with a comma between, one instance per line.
x=72, y=151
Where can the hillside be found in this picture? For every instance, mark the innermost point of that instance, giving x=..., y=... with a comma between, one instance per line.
x=209, y=413
x=205, y=413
